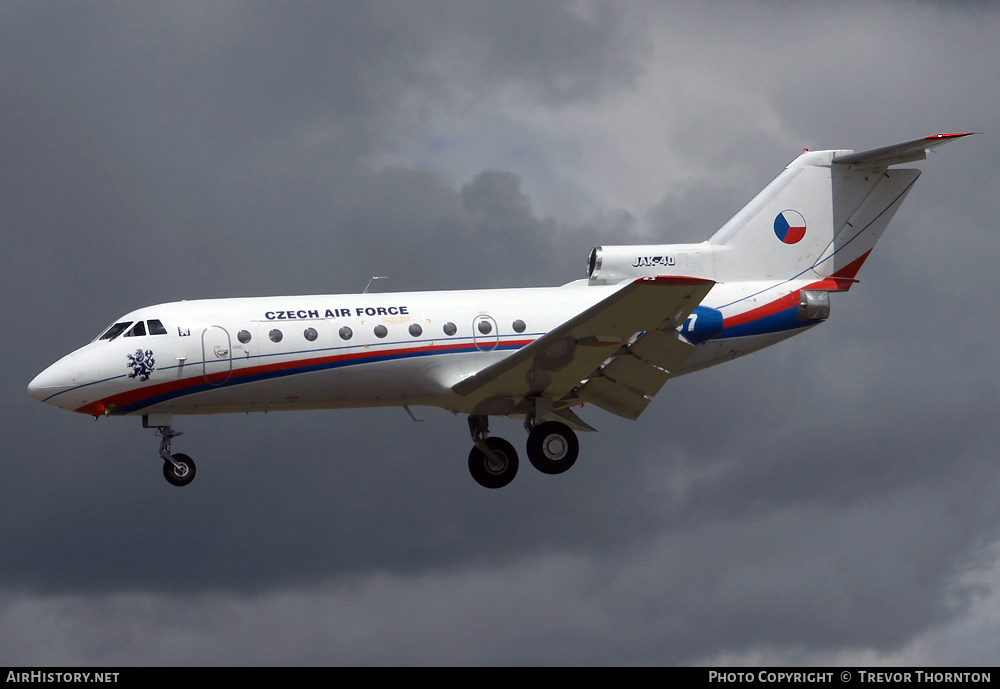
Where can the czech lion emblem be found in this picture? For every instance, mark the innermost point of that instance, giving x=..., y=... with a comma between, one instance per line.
x=141, y=363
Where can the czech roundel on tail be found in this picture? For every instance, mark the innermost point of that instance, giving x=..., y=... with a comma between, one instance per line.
x=643, y=315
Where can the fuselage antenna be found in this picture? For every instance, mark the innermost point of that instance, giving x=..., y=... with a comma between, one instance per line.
x=374, y=278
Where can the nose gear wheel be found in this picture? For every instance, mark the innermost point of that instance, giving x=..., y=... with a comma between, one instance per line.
x=180, y=471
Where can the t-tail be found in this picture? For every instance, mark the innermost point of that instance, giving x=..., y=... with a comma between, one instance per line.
x=776, y=261
x=818, y=220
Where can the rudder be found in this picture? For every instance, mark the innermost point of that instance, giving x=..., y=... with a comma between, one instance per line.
x=818, y=218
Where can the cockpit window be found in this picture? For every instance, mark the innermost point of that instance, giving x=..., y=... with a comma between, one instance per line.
x=156, y=328
x=138, y=330
x=115, y=330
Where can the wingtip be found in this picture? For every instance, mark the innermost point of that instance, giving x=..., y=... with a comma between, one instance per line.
x=955, y=135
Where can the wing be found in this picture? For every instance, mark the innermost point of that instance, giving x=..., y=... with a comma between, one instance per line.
x=616, y=354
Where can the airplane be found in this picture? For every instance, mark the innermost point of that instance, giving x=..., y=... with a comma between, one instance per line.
x=644, y=314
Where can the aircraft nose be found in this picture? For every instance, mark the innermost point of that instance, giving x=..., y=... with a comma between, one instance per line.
x=49, y=382
x=35, y=387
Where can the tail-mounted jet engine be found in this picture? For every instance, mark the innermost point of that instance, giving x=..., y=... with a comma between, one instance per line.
x=610, y=264
x=814, y=305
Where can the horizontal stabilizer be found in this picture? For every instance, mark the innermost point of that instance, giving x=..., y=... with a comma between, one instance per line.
x=897, y=153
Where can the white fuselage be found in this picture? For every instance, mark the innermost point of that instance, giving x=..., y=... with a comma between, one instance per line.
x=295, y=352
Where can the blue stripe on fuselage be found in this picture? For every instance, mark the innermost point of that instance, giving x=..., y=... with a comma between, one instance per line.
x=776, y=322
x=278, y=372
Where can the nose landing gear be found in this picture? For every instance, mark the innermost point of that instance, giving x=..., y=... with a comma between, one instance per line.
x=178, y=468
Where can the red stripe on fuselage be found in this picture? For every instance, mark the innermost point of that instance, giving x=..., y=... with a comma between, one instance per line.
x=781, y=304
x=840, y=281
x=131, y=397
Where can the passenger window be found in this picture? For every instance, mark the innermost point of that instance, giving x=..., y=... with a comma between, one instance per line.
x=243, y=336
x=138, y=330
x=450, y=329
x=115, y=330
x=156, y=328
x=310, y=334
x=275, y=335
x=381, y=331
x=346, y=333
x=416, y=330
x=518, y=326
x=485, y=327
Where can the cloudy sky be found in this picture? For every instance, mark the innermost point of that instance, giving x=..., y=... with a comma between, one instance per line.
x=835, y=499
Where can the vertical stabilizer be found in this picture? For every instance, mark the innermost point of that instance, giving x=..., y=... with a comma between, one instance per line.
x=821, y=216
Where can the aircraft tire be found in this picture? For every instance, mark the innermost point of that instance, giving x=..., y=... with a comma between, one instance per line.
x=179, y=476
x=488, y=475
x=552, y=447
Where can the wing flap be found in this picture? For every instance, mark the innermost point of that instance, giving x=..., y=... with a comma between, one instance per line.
x=627, y=383
x=636, y=374
x=614, y=397
x=664, y=348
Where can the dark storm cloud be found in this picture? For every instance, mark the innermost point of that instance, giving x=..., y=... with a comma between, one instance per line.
x=561, y=52
x=191, y=150
x=179, y=121
x=819, y=497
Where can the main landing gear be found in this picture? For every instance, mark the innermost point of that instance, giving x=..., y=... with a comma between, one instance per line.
x=492, y=461
x=552, y=449
x=178, y=468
